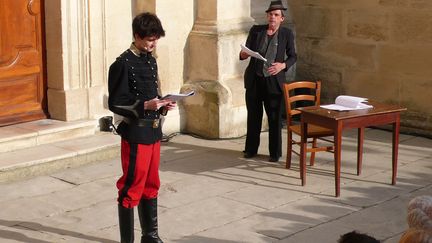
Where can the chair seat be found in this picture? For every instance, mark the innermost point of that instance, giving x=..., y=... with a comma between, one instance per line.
x=313, y=131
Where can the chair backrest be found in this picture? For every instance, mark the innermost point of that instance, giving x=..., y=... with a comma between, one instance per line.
x=307, y=91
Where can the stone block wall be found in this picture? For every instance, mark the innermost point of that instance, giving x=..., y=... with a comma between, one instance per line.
x=379, y=49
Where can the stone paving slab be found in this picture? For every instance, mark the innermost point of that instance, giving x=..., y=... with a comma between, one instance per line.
x=78, y=222
x=82, y=195
x=417, y=174
x=383, y=136
x=26, y=209
x=270, y=197
x=194, y=189
x=31, y=188
x=208, y=161
x=417, y=144
x=385, y=221
x=203, y=215
x=297, y=216
x=92, y=172
x=19, y=233
x=278, y=223
x=176, y=151
x=367, y=194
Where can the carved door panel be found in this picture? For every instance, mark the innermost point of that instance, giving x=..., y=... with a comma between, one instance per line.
x=22, y=81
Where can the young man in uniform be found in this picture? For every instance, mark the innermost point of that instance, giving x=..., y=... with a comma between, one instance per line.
x=134, y=95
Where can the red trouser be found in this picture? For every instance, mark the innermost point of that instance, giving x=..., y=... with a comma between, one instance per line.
x=140, y=179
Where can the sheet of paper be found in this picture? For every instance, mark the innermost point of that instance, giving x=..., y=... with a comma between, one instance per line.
x=252, y=53
x=349, y=101
x=345, y=108
x=177, y=97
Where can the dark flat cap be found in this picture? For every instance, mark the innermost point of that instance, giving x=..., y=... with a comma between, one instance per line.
x=275, y=5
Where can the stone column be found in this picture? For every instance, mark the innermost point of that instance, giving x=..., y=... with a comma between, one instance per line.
x=81, y=39
x=214, y=70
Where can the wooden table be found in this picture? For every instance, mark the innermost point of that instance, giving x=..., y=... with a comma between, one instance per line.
x=338, y=121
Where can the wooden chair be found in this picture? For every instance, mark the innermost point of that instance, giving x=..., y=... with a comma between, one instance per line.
x=314, y=132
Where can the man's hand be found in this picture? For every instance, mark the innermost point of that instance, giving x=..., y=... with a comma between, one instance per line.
x=276, y=67
x=155, y=104
x=167, y=108
x=243, y=55
x=171, y=105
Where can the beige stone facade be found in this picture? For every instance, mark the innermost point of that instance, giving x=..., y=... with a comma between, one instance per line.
x=378, y=49
x=82, y=39
x=373, y=48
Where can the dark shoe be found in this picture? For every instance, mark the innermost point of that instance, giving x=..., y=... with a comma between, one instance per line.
x=126, y=223
x=147, y=212
x=273, y=159
x=248, y=155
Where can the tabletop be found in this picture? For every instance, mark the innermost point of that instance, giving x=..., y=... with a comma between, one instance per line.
x=378, y=108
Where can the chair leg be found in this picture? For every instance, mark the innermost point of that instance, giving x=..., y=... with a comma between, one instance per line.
x=360, y=149
x=289, y=150
x=312, y=158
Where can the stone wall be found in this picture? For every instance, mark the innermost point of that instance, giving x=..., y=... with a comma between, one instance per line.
x=379, y=49
x=373, y=48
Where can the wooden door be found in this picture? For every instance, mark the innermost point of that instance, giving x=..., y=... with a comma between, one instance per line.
x=22, y=81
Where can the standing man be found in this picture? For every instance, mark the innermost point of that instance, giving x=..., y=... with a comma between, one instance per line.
x=134, y=94
x=264, y=80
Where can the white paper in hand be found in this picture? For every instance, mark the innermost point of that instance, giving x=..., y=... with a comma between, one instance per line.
x=252, y=53
x=177, y=97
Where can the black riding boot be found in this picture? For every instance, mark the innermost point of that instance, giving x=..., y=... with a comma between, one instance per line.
x=126, y=223
x=147, y=211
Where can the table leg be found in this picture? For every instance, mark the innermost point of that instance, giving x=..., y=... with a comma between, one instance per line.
x=360, y=137
x=396, y=126
x=337, y=156
x=303, y=152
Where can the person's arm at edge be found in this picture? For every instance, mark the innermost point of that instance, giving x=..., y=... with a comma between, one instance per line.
x=118, y=90
x=243, y=55
x=290, y=51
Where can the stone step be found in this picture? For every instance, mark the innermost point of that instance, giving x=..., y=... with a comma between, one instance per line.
x=30, y=134
x=44, y=146
x=48, y=158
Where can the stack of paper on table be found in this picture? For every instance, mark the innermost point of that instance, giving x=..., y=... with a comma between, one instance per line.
x=348, y=103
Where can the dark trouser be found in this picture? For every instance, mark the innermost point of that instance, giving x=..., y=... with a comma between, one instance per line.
x=272, y=104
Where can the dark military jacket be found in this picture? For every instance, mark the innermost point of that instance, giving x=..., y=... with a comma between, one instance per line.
x=132, y=80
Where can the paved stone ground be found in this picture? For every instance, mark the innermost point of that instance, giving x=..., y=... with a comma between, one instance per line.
x=210, y=193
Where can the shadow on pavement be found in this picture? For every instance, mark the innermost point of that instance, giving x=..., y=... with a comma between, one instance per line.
x=32, y=226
